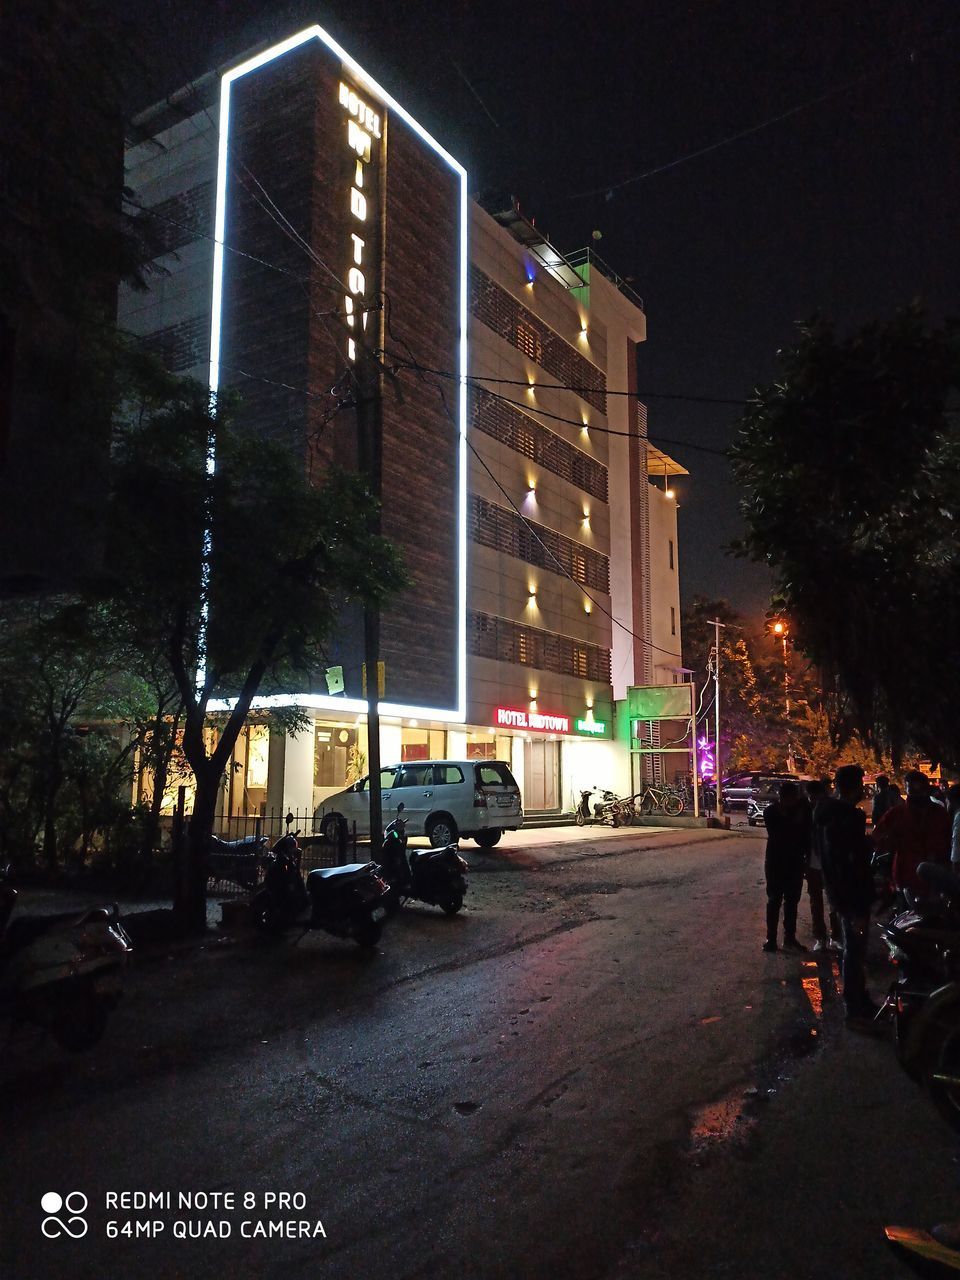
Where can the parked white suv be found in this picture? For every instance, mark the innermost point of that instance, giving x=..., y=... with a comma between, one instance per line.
x=442, y=799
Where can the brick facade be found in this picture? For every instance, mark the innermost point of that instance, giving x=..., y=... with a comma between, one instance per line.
x=287, y=334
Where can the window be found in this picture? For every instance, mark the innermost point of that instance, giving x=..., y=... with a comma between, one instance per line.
x=494, y=774
x=670, y=551
x=422, y=744
x=387, y=779
x=331, y=755
x=416, y=777
x=449, y=774
x=673, y=620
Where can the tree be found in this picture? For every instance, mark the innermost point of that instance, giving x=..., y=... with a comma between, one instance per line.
x=236, y=573
x=751, y=708
x=850, y=464
x=59, y=685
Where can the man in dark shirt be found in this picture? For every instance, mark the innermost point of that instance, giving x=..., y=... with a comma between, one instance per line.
x=842, y=834
x=884, y=798
x=788, y=845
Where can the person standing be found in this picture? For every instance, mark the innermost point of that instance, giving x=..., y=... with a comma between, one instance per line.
x=817, y=793
x=788, y=842
x=915, y=832
x=953, y=809
x=845, y=850
x=884, y=797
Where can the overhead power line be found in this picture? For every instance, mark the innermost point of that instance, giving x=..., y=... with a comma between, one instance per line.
x=579, y=389
x=611, y=187
x=556, y=417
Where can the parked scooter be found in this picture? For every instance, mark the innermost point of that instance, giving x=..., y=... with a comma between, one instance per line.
x=349, y=902
x=605, y=810
x=62, y=972
x=436, y=876
x=924, y=942
x=236, y=860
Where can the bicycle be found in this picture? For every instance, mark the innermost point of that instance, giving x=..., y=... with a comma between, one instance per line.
x=659, y=800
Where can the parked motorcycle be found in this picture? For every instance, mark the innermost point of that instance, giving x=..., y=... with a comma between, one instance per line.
x=62, y=972
x=236, y=860
x=436, y=876
x=605, y=810
x=884, y=890
x=349, y=902
x=922, y=1252
x=924, y=943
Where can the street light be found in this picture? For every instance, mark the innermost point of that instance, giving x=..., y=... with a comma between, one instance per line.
x=780, y=629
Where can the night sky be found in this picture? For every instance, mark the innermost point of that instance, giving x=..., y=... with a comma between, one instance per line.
x=847, y=205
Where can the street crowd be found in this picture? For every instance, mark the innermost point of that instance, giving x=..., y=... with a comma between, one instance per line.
x=818, y=833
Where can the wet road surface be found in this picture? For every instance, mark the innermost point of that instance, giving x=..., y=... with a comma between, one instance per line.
x=593, y=1071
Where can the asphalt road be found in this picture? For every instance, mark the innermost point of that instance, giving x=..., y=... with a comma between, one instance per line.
x=593, y=1071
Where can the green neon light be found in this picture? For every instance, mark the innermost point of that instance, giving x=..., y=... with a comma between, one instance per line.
x=591, y=726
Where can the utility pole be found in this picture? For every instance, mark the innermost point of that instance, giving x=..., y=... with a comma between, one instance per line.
x=717, y=627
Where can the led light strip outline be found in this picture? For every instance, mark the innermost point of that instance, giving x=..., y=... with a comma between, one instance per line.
x=324, y=701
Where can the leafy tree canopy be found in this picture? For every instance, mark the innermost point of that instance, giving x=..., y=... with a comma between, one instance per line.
x=225, y=557
x=850, y=466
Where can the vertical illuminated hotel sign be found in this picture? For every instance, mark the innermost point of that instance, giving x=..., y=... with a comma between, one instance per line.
x=361, y=142
x=302, y=167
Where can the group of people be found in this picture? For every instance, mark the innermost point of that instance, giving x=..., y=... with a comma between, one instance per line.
x=819, y=833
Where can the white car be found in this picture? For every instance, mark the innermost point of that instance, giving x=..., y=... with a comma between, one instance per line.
x=442, y=799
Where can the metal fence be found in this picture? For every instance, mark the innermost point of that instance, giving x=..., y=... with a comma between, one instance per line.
x=239, y=871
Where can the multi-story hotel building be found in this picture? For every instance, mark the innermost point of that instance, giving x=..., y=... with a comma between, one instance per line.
x=534, y=517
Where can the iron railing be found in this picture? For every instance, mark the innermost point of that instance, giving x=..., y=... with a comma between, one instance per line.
x=239, y=871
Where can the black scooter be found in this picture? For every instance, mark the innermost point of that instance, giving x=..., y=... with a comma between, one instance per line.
x=349, y=902
x=605, y=810
x=436, y=876
x=236, y=860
